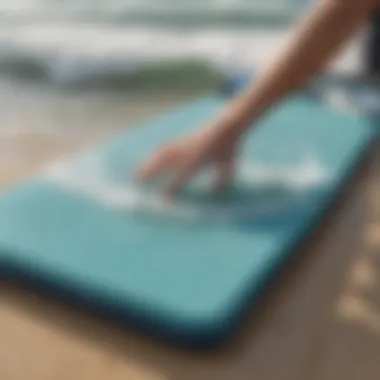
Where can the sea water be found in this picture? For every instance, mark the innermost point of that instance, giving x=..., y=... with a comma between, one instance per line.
x=139, y=44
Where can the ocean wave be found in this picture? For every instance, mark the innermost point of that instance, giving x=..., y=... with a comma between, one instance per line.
x=139, y=57
x=128, y=57
x=197, y=18
x=170, y=75
x=159, y=15
x=136, y=44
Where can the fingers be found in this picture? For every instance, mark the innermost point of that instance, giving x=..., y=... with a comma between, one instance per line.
x=186, y=160
x=168, y=159
x=161, y=161
x=165, y=160
x=225, y=171
x=225, y=175
x=182, y=177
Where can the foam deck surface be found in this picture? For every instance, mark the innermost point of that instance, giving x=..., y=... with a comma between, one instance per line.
x=187, y=281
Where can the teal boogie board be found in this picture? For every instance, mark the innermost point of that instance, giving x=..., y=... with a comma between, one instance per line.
x=186, y=270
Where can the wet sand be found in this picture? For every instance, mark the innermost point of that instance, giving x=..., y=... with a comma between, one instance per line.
x=321, y=322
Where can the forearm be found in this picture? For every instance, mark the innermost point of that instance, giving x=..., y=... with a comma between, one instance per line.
x=316, y=40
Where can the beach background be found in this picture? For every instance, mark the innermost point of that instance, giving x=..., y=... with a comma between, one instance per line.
x=74, y=70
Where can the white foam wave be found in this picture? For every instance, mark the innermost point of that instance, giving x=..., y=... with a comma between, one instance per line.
x=281, y=188
x=66, y=53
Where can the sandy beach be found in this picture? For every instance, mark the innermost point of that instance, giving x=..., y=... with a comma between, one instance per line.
x=321, y=322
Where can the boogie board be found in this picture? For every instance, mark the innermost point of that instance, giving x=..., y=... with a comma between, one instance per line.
x=185, y=271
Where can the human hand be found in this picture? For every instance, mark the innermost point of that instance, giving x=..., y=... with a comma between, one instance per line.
x=215, y=145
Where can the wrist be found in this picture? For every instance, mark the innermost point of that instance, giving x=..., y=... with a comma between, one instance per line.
x=237, y=120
